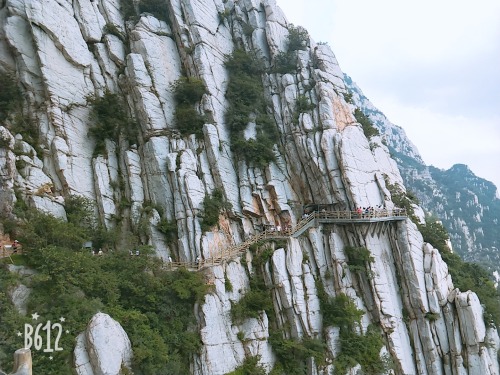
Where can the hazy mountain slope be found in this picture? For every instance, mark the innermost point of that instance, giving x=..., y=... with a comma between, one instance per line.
x=468, y=205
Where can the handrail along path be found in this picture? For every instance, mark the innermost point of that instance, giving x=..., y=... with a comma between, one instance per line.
x=313, y=219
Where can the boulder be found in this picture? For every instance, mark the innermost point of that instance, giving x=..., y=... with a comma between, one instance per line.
x=22, y=362
x=103, y=349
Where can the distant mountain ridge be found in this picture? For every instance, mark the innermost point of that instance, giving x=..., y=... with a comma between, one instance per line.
x=468, y=205
x=182, y=129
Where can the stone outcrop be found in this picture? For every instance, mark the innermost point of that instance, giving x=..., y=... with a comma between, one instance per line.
x=22, y=363
x=103, y=349
x=20, y=293
x=64, y=52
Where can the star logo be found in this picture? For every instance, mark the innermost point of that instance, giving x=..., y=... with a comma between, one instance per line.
x=37, y=333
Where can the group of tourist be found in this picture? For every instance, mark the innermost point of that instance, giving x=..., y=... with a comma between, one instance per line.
x=14, y=247
x=359, y=212
x=277, y=228
x=377, y=211
x=369, y=211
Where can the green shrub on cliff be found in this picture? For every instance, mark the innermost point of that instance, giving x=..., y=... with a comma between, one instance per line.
x=434, y=233
x=362, y=349
x=341, y=311
x=10, y=94
x=155, y=306
x=249, y=367
x=157, y=8
x=471, y=276
x=292, y=354
x=358, y=258
x=297, y=38
x=188, y=92
x=247, y=104
x=213, y=205
x=286, y=61
x=368, y=128
x=111, y=120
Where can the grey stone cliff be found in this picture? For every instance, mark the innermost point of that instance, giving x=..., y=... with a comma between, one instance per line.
x=62, y=52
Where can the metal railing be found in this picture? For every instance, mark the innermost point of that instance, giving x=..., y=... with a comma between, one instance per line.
x=328, y=216
x=361, y=214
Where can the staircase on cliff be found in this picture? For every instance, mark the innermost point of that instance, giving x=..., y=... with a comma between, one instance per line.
x=311, y=220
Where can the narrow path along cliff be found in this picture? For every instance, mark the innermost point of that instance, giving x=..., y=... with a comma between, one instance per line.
x=192, y=127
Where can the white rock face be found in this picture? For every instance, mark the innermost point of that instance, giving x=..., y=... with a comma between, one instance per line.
x=103, y=349
x=20, y=296
x=22, y=362
x=65, y=51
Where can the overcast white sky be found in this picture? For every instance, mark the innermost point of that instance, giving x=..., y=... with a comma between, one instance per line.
x=432, y=67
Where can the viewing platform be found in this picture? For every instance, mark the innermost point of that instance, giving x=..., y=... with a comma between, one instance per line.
x=312, y=220
x=349, y=217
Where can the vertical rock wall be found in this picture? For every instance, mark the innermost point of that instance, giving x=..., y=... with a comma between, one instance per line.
x=62, y=52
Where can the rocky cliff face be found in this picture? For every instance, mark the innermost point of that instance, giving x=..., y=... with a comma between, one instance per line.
x=63, y=52
x=468, y=205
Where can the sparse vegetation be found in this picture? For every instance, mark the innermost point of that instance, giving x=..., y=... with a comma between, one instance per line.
x=245, y=94
x=348, y=97
x=262, y=252
x=227, y=284
x=110, y=121
x=248, y=29
x=302, y=105
x=249, y=367
x=434, y=233
x=292, y=353
x=368, y=128
x=286, y=62
x=341, y=311
x=297, y=38
x=471, y=276
x=362, y=349
x=127, y=9
x=157, y=8
x=213, y=205
x=240, y=335
x=432, y=316
x=465, y=276
x=255, y=300
x=111, y=28
x=358, y=258
x=169, y=229
x=188, y=92
x=24, y=124
x=224, y=15
x=10, y=94
x=402, y=199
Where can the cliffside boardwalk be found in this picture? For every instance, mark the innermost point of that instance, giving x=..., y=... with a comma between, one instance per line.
x=311, y=220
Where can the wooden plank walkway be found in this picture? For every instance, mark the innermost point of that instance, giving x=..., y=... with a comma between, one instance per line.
x=315, y=218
